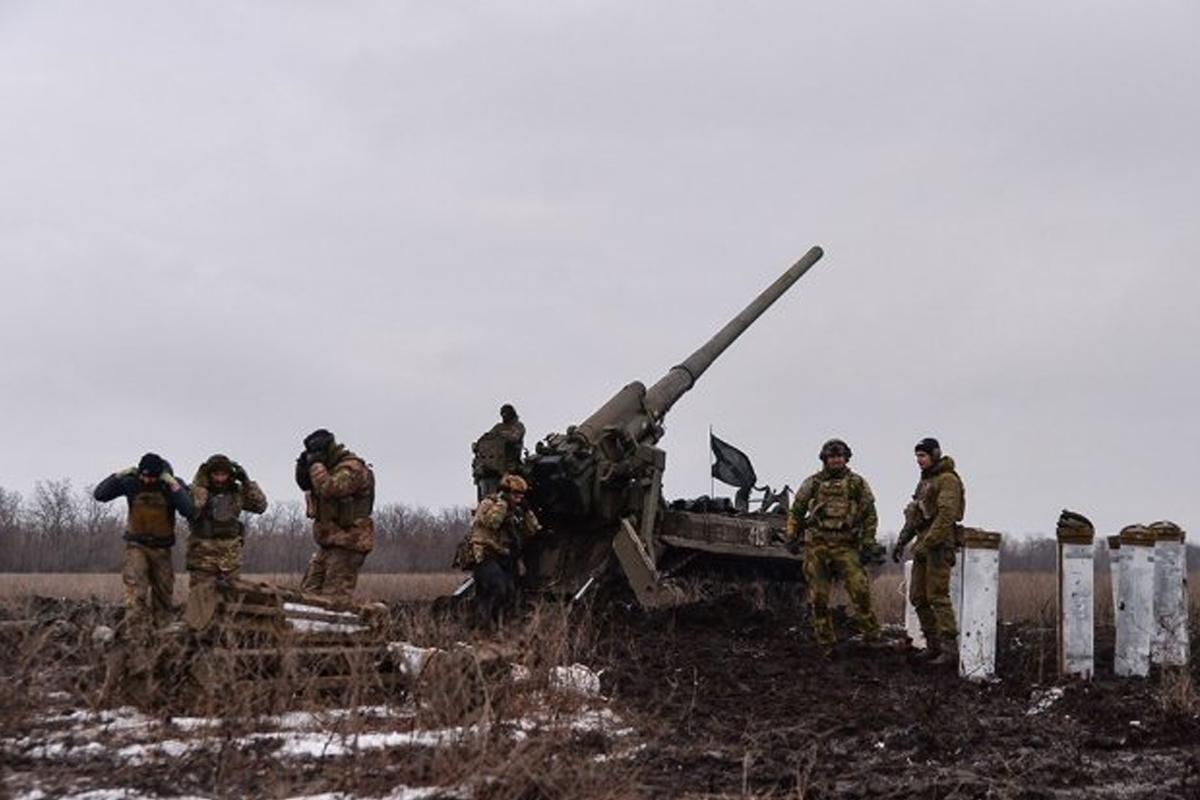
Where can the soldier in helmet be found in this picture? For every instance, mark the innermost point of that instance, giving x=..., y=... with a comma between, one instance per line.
x=499, y=530
x=938, y=505
x=222, y=491
x=834, y=510
x=498, y=452
x=339, y=492
x=154, y=496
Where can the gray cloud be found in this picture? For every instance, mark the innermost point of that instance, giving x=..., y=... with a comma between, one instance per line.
x=225, y=225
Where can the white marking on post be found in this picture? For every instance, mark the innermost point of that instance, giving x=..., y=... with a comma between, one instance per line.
x=1135, y=603
x=1170, y=644
x=912, y=625
x=980, y=584
x=1076, y=607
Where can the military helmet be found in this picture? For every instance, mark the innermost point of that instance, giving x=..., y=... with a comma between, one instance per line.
x=218, y=462
x=513, y=483
x=835, y=447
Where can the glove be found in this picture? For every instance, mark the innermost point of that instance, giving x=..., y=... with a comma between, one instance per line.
x=239, y=474
x=303, y=479
x=897, y=552
x=166, y=477
x=795, y=545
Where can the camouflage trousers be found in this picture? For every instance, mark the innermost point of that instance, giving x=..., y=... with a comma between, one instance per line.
x=929, y=592
x=208, y=558
x=333, y=572
x=823, y=564
x=149, y=582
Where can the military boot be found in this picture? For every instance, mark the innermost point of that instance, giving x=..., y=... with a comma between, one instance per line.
x=946, y=655
x=932, y=649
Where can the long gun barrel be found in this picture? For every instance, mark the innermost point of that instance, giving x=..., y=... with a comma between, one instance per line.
x=638, y=410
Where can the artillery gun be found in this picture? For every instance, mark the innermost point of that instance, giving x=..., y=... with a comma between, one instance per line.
x=597, y=488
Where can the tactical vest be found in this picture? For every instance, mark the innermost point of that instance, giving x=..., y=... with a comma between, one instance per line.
x=221, y=517
x=835, y=505
x=345, y=511
x=151, y=518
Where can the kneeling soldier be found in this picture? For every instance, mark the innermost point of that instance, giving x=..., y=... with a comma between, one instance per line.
x=499, y=529
x=835, y=512
x=154, y=496
x=222, y=491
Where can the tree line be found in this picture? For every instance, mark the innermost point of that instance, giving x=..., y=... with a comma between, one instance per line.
x=59, y=528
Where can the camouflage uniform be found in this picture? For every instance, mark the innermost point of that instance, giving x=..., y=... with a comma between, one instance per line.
x=217, y=533
x=146, y=570
x=499, y=530
x=835, y=511
x=497, y=453
x=342, y=501
x=939, y=503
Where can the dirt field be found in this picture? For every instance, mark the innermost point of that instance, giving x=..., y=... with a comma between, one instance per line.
x=725, y=699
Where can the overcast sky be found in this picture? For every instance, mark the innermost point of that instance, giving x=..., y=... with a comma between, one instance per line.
x=225, y=224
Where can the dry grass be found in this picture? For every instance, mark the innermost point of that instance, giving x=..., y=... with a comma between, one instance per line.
x=1024, y=597
x=106, y=587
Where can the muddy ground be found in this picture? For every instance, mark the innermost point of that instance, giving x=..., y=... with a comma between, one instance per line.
x=723, y=699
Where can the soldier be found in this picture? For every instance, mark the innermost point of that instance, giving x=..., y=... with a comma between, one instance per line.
x=498, y=452
x=834, y=510
x=154, y=496
x=339, y=492
x=499, y=529
x=222, y=491
x=938, y=505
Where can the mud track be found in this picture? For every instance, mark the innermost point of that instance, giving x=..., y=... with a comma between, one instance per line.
x=744, y=704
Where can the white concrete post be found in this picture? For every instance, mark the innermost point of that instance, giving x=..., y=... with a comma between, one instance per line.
x=977, y=614
x=1170, y=645
x=1114, y=570
x=912, y=625
x=1076, y=597
x=1135, y=602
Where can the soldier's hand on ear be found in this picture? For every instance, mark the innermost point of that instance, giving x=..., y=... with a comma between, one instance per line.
x=166, y=477
x=303, y=479
x=239, y=473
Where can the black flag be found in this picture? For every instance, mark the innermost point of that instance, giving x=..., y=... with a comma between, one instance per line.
x=732, y=466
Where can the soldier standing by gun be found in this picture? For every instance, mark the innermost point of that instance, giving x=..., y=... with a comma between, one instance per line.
x=154, y=496
x=498, y=452
x=222, y=491
x=339, y=492
x=932, y=517
x=834, y=510
x=499, y=529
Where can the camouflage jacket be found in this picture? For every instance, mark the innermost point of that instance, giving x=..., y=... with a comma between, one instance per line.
x=834, y=507
x=343, y=498
x=940, y=502
x=499, y=450
x=497, y=530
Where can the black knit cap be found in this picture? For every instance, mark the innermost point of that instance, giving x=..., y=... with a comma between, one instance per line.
x=151, y=464
x=930, y=446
